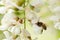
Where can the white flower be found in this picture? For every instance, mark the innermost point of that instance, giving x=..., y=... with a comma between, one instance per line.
x=34, y=20
x=29, y=15
x=3, y=10
x=32, y=16
x=56, y=9
x=9, y=17
x=4, y=27
x=7, y=3
x=54, y=18
x=37, y=29
x=57, y=25
x=36, y=2
x=7, y=34
x=14, y=29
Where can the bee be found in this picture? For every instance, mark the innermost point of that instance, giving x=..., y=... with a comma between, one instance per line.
x=41, y=24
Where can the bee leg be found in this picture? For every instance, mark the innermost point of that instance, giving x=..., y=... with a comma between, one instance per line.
x=41, y=31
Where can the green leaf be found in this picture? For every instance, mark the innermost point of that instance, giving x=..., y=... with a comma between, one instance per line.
x=19, y=14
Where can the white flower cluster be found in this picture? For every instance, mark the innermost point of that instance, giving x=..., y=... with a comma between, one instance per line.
x=11, y=25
